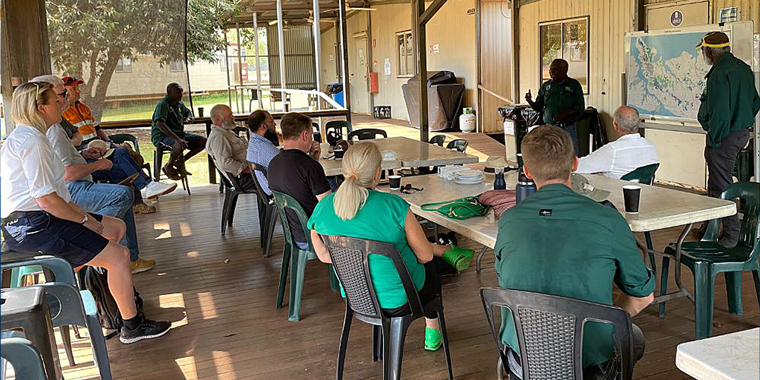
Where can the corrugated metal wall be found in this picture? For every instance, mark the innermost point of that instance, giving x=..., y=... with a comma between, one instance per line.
x=609, y=20
x=748, y=9
x=299, y=57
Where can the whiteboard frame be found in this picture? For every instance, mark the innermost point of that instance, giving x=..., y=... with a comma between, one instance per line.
x=725, y=28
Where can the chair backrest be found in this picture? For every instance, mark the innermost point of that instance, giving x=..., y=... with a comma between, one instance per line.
x=334, y=130
x=65, y=304
x=121, y=138
x=62, y=270
x=366, y=134
x=644, y=174
x=438, y=140
x=259, y=190
x=26, y=360
x=458, y=144
x=317, y=134
x=550, y=331
x=229, y=180
x=349, y=257
x=284, y=202
x=749, y=234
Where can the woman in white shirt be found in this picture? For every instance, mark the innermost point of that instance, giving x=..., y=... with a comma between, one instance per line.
x=37, y=213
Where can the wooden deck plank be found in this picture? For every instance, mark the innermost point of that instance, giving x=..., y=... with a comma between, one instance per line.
x=227, y=327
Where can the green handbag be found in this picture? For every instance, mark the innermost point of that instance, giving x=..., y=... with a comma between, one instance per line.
x=461, y=208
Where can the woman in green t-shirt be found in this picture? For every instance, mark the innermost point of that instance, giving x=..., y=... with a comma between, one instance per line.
x=357, y=210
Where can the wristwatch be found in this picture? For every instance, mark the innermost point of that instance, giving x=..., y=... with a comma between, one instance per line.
x=85, y=219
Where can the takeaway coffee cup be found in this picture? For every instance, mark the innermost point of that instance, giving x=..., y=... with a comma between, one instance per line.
x=631, y=196
x=394, y=181
x=324, y=150
x=338, y=153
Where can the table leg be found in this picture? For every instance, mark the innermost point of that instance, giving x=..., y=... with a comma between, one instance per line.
x=681, y=292
x=480, y=256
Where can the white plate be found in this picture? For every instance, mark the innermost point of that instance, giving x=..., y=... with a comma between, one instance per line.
x=469, y=173
x=463, y=181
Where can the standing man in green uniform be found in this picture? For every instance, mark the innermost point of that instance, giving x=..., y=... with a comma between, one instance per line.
x=563, y=243
x=168, y=131
x=561, y=100
x=729, y=105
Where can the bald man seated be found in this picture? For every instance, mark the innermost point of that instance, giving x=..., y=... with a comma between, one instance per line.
x=624, y=155
x=227, y=148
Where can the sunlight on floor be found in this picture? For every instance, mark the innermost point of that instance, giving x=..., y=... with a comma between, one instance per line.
x=187, y=366
x=163, y=226
x=208, y=307
x=174, y=300
x=184, y=229
x=193, y=254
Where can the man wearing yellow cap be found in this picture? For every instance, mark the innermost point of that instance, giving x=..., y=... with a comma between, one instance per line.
x=729, y=105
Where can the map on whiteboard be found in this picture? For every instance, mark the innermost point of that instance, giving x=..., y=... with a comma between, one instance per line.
x=666, y=75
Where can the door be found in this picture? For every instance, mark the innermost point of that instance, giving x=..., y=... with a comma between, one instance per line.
x=358, y=77
x=681, y=153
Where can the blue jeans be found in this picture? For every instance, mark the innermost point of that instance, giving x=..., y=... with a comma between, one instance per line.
x=570, y=128
x=123, y=166
x=302, y=245
x=111, y=200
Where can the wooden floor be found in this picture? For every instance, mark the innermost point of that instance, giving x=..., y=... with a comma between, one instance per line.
x=220, y=292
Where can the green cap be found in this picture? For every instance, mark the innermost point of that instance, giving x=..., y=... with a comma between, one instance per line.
x=581, y=186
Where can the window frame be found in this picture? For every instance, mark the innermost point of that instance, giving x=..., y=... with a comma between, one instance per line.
x=124, y=68
x=562, y=22
x=407, y=73
x=181, y=67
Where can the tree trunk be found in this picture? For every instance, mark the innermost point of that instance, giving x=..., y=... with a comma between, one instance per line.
x=97, y=101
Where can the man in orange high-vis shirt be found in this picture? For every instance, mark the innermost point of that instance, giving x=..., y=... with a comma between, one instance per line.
x=79, y=114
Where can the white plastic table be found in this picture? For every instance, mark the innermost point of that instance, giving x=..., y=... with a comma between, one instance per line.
x=733, y=356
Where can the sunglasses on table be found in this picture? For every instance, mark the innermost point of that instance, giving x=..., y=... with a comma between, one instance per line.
x=409, y=189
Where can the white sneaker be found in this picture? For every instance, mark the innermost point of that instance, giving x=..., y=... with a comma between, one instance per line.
x=156, y=189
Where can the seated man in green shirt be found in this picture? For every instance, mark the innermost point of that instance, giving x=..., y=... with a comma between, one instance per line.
x=562, y=243
x=561, y=100
x=168, y=131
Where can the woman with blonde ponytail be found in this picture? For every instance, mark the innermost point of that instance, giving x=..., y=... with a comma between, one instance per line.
x=358, y=210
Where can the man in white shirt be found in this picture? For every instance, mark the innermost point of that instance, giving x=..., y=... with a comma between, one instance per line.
x=624, y=155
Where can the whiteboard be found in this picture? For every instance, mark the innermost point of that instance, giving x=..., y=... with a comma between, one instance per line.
x=665, y=74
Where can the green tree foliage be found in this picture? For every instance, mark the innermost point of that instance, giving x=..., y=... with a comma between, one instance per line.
x=89, y=37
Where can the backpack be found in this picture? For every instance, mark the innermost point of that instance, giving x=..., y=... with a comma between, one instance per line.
x=96, y=281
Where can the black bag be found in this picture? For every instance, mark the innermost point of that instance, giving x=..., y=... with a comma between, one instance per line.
x=96, y=281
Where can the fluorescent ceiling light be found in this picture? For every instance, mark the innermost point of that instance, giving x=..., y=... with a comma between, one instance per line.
x=272, y=22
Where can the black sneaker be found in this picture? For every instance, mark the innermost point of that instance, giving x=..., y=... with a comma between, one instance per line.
x=146, y=330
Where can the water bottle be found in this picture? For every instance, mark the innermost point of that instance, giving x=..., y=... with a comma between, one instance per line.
x=499, y=183
x=525, y=187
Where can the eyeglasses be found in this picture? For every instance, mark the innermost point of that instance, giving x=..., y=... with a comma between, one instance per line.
x=64, y=93
x=409, y=189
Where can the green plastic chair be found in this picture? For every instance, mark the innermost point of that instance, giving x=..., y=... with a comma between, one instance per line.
x=25, y=358
x=292, y=255
x=644, y=174
x=706, y=258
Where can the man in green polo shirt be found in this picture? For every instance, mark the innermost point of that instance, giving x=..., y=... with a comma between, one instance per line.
x=168, y=131
x=566, y=244
x=729, y=105
x=561, y=100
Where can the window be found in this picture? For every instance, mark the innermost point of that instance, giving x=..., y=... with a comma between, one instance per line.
x=222, y=60
x=405, y=49
x=566, y=39
x=176, y=66
x=124, y=65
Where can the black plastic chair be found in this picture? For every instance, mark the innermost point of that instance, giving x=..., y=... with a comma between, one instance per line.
x=267, y=210
x=334, y=130
x=438, y=140
x=350, y=259
x=317, y=135
x=458, y=144
x=158, y=156
x=367, y=134
x=549, y=332
x=231, y=193
x=121, y=138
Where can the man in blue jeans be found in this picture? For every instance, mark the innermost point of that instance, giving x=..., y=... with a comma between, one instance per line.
x=561, y=100
x=98, y=198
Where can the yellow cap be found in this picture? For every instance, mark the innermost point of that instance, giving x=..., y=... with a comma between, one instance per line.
x=713, y=40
